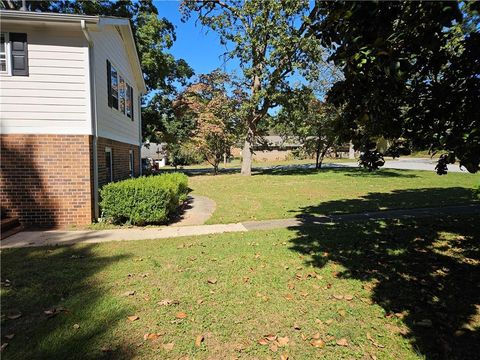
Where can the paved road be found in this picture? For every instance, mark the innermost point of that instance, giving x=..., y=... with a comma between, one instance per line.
x=56, y=237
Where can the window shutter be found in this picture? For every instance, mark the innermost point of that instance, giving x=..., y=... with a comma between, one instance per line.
x=19, y=48
x=109, y=83
x=131, y=100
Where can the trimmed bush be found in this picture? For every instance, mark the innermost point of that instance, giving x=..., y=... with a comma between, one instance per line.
x=144, y=200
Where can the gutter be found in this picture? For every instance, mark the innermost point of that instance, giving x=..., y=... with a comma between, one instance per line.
x=94, y=117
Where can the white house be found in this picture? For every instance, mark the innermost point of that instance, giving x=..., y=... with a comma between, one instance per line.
x=70, y=88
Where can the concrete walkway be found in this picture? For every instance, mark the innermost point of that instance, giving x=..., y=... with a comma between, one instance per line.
x=54, y=238
x=197, y=211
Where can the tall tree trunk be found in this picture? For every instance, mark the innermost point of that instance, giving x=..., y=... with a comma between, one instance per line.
x=317, y=153
x=247, y=153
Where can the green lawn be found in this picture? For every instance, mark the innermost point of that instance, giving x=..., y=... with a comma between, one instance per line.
x=386, y=290
x=236, y=163
x=286, y=193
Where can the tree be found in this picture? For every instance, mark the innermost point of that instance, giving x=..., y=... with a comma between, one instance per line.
x=310, y=121
x=412, y=75
x=153, y=35
x=207, y=103
x=273, y=42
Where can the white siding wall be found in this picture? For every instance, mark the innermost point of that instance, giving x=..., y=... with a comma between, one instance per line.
x=112, y=124
x=54, y=98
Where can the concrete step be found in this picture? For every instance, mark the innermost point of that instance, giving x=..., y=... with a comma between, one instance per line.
x=9, y=226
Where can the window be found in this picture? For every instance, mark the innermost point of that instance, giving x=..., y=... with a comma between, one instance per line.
x=129, y=101
x=114, y=85
x=131, y=164
x=14, y=54
x=4, y=53
x=108, y=165
x=121, y=93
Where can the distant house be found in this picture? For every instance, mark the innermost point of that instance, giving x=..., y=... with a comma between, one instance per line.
x=70, y=88
x=154, y=154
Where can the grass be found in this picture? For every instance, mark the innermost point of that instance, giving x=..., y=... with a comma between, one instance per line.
x=272, y=194
x=236, y=163
x=413, y=287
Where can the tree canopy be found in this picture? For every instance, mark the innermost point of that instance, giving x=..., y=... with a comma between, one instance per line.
x=272, y=41
x=411, y=74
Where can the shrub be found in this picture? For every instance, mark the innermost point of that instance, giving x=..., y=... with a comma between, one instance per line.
x=145, y=200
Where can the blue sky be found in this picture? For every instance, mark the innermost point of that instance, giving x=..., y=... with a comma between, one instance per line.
x=201, y=49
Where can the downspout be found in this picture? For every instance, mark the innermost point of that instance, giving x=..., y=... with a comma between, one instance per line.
x=140, y=132
x=93, y=102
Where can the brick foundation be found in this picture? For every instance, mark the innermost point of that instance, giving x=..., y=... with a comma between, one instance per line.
x=45, y=179
x=120, y=157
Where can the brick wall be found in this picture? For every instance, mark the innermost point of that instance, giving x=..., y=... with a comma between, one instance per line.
x=45, y=179
x=120, y=157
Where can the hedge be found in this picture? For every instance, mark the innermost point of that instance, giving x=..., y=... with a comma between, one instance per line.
x=144, y=200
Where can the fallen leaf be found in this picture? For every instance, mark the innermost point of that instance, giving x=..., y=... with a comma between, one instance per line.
x=342, y=312
x=342, y=342
x=328, y=321
x=257, y=255
x=129, y=293
x=304, y=294
x=316, y=336
x=273, y=347
x=348, y=297
x=246, y=279
x=291, y=286
x=296, y=326
x=9, y=336
x=263, y=341
x=270, y=337
x=199, y=340
x=166, y=302
x=181, y=315
x=282, y=341
x=200, y=301
x=284, y=357
x=133, y=317
x=289, y=297
x=168, y=346
x=369, y=337
x=152, y=336
x=76, y=326
x=212, y=280
x=338, y=297
x=13, y=316
x=318, y=343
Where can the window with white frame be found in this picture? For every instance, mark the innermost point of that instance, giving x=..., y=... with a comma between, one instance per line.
x=129, y=101
x=121, y=95
x=4, y=58
x=114, y=77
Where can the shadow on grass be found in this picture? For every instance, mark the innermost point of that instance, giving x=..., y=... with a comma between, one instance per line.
x=336, y=169
x=396, y=199
x=58, y=278
x=425, y=271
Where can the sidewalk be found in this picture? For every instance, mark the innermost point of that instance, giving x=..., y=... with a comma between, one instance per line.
x=56, y=237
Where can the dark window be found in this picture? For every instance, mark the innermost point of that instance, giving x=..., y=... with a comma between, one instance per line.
x=131, y=164
x=108, y=165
